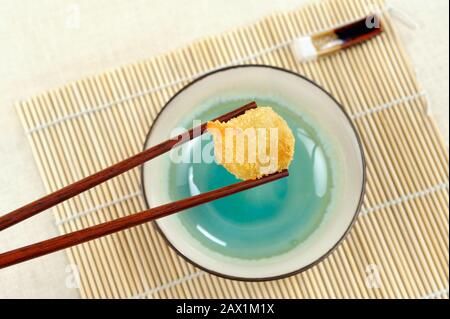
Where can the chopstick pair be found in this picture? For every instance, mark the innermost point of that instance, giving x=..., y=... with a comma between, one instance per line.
x=90, y=233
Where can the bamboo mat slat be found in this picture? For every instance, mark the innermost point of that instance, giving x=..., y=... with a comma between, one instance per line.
x=400, y=241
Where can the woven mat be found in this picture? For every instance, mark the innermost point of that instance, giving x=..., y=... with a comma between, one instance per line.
x=398, y=247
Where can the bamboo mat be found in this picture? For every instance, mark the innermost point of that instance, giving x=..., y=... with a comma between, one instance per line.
x=398, y=247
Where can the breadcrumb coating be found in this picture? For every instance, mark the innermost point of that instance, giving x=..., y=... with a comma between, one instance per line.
x=252, y=145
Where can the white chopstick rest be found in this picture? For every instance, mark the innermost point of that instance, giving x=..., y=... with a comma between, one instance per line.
x=323, y=43
x=303, y=49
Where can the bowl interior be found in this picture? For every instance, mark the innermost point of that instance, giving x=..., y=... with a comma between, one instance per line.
x=309, y=100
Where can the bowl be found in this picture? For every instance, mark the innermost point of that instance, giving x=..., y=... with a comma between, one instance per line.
x=268, y=233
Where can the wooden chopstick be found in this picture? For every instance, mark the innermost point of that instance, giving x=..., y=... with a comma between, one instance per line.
x=86, y=183
x=81, y=236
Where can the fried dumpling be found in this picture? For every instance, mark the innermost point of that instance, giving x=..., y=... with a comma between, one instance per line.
x=252, y=145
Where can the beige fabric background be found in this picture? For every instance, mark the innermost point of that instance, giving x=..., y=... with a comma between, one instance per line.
x=47, y=43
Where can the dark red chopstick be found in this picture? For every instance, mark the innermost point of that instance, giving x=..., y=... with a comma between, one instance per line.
x=86, y=183
x=81, y=236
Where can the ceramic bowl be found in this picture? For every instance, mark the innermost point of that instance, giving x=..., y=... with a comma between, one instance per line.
x=309, y=99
